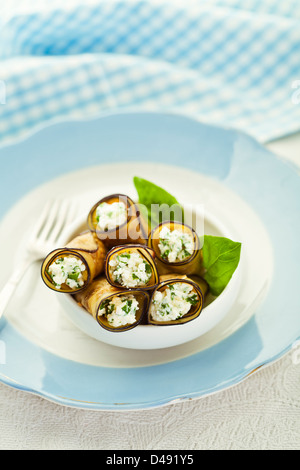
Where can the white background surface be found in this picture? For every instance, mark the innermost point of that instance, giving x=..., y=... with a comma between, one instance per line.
x=261, y=413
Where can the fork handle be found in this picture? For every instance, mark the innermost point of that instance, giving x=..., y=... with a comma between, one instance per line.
x=12, y=283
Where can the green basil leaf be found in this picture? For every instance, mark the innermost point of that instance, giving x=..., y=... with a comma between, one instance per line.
x=221, y=257
x=160, y=205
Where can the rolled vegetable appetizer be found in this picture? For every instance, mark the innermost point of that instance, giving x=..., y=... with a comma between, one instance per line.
x=176, y=300
x=131, y=266
x=177, y=248
x=114, y=309
x=72, y=268
x=201, y=283
x=117, y=220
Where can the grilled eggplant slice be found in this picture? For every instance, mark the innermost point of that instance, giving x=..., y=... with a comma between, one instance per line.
x=116, y=220
x=114, y=309
x=131, y=266
x=177, y=248
x=72, y=268
x=176, y=300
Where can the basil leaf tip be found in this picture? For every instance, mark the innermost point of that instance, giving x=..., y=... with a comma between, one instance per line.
x=158, y=203
x=221, y=257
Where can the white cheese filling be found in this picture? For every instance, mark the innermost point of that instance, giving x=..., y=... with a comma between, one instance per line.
x=173, y=302
x=130, y=269
x=120, y=310
x=110, y=216
x=67, y=270
x=175, y=245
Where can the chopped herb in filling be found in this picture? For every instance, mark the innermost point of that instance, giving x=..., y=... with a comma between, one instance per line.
x=120, y=310
x=110, y=216
x=175, y=245
x=173, y=302
x=67, y=270
x=130, y=269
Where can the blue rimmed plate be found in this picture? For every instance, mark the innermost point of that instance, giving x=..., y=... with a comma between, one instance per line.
x=249, y=190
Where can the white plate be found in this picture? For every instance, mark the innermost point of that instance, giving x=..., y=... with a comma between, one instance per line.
x=232, y=309
x=245, y=188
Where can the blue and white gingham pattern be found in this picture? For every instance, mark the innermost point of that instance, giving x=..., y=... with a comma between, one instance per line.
x=227, y=62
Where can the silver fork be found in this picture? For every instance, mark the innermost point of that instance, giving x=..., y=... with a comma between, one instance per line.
x=55, y=216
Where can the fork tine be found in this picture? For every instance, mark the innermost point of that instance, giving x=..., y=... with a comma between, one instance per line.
x=50, y=221
x=42, y=220
x=64, y=215
x=72, y=212
x=55, y=217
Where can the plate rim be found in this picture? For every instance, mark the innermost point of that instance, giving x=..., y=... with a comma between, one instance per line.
x=240, y=377
x=140, y=406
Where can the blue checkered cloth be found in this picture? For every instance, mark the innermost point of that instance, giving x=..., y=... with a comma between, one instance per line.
x=227, y=62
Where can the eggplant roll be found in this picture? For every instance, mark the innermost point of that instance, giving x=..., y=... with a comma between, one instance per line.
x=114, y=309
x=176, y=300
x=177, y=248
x=131, y=266
x=116, y=220
x=73, y=267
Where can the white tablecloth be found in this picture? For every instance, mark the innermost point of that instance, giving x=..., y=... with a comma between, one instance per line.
x=262, y=413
